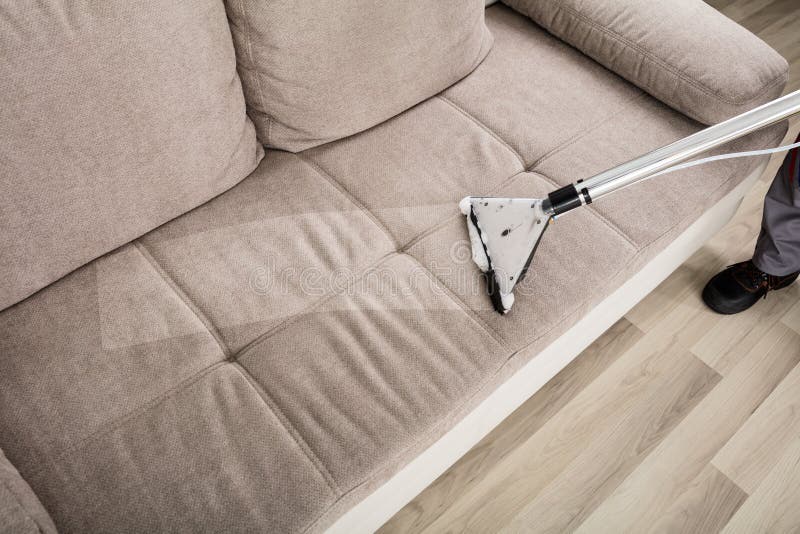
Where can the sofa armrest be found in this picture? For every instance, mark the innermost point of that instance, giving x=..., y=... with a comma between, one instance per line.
x=683, y=52
x=20, y=509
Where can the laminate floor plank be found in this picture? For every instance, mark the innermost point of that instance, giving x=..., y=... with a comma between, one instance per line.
x=668, y=472
x=542, y=456
x=471, y=470
x=775, y=506
x=753, y=451
x=564, y=503
x=706, y=506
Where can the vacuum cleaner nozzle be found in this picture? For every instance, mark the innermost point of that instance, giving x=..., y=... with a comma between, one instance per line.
x=504, y=233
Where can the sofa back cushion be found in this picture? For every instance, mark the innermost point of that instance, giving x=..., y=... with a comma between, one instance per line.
x=318, y=71
x=21, y=512
x=116, y=117
x=683, y=52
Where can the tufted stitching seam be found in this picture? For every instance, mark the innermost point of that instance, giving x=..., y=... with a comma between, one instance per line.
x=242, y=353
x=671, y=69
x=580, y=134
x=152, y=404
x=357, y=203
x=113, y=425
x=181, y=294
x=613, y=227
x=586, y=131
x=425, y=233
x=469, y=313
x=484, y=128
x=301, y=443
x=463, y=305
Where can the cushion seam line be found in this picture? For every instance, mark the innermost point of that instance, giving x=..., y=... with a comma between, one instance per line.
x=243, y=352
x=145, y=408
x=328, y=177
x=585, y=131
x=485, y=128
x=181, y=294
x=290, y=428
x=428, y=231
x=463, y=305
x=600, y=217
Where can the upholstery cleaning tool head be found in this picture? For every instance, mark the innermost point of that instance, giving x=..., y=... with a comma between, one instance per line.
x=505, y=232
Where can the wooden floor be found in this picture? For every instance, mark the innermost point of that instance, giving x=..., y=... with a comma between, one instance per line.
x=676, y=420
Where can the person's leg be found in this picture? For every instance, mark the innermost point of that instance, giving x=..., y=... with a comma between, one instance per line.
x=778, y=248
x=776, y=260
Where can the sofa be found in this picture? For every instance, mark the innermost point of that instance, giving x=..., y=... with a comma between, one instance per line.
x=238, y=293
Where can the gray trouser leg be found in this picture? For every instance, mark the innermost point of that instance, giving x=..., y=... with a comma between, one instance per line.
x=778, y=247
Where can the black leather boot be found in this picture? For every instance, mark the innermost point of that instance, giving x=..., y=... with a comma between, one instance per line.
x=740, y=286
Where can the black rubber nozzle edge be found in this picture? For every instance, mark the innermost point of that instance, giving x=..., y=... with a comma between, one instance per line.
x=494, y=292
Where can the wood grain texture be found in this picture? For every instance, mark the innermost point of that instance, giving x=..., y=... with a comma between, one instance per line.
x=792, y=317
x=750, y=455
x=566, y=501
x=706, y=506
x=676, y=420
x=667, y=473
x=775, y=506
x=471, y=469
x=731, y=337
x=539, y=459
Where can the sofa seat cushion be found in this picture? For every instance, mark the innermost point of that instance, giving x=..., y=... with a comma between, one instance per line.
x=264, y=361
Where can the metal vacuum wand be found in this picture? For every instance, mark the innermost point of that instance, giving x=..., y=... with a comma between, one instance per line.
x=585, y=191
x=506, y=231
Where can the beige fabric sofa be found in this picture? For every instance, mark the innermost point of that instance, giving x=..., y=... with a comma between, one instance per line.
x=309, y=348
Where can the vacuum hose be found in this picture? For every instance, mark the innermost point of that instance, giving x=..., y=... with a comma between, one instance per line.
x=667, y=159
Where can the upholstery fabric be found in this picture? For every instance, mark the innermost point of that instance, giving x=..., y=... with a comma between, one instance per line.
x=264, y=361
x=117, y=117
x=21, y=512
x=683, y=52
x=267, y=249
x=399, y=185
x=318, y=71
